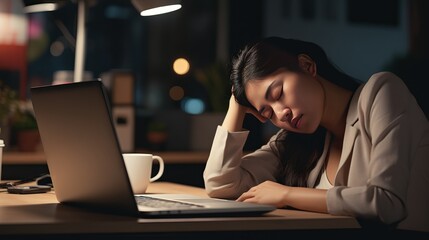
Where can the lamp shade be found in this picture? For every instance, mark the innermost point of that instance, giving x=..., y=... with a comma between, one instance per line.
x=155, y=7
x=31, y=6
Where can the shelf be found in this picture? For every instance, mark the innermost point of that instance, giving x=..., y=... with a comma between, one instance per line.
x=174, y=157
x=23, y=158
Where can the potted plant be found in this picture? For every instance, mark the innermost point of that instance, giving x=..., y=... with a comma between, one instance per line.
x=157, y=135
x=8, y=102
x=24, y=125
x=215, y=79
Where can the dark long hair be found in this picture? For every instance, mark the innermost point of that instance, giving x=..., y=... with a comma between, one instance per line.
x=298, y=152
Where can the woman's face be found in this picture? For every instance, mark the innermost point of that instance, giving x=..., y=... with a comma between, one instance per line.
x=290, y=100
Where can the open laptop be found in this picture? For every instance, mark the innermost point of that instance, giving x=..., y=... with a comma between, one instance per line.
x=85, y=159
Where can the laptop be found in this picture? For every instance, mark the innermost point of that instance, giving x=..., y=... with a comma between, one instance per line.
x=85, y=160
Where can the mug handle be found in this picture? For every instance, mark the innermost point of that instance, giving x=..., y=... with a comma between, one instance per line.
x=160, y=170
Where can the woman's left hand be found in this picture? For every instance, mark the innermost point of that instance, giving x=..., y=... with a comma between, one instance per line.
x=268, y=192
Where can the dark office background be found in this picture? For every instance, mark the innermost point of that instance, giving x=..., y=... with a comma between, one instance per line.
x=208, y=32
x=361, y=36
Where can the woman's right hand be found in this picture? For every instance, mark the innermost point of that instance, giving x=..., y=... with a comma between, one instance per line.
x=235, y=116
x=234, y=104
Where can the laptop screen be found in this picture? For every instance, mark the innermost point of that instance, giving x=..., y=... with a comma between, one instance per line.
x=80, y=143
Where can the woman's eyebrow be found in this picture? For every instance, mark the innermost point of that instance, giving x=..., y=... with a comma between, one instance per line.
x=267, y=94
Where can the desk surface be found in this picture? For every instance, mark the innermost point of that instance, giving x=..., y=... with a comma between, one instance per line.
x=23, y=215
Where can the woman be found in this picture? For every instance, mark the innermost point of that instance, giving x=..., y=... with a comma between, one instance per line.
x=343, y=147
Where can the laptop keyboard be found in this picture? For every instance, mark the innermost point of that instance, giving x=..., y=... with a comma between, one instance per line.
x=163, y=203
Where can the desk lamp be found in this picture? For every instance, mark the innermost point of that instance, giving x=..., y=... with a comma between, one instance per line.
x=146, y=8
x=156, y=7
x=33, y=6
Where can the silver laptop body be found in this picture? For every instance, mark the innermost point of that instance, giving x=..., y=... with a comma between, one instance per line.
x=85, y=159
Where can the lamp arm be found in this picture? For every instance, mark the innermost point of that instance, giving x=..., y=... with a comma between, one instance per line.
x=79, y=63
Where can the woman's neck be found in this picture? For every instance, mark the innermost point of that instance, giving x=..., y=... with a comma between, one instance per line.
x=336, y=107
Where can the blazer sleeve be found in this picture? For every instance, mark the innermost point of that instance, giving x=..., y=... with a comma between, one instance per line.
x=228, y=173
x=391, y=125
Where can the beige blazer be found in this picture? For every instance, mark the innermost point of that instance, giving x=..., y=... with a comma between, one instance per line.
x=384, y=166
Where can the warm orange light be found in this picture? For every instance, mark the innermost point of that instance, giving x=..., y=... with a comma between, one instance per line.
x=181, y=66
x=176, y=93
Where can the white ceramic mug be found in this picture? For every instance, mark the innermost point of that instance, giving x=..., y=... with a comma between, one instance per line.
x=139, y=168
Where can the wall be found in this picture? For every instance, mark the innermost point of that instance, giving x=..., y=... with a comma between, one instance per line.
x=13, y=45
x=359, y=49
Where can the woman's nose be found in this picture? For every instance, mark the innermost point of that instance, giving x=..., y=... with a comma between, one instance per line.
x=282, y=113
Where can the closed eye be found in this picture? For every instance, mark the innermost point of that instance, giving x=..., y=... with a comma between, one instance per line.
x=278, y=92
x=274, y=92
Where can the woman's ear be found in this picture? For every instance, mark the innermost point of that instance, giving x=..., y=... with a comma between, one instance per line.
x=307, y=64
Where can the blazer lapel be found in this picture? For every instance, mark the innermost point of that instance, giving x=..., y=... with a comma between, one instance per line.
x=350, y=136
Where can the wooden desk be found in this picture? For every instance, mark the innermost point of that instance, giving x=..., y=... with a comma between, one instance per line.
x=41, y=215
